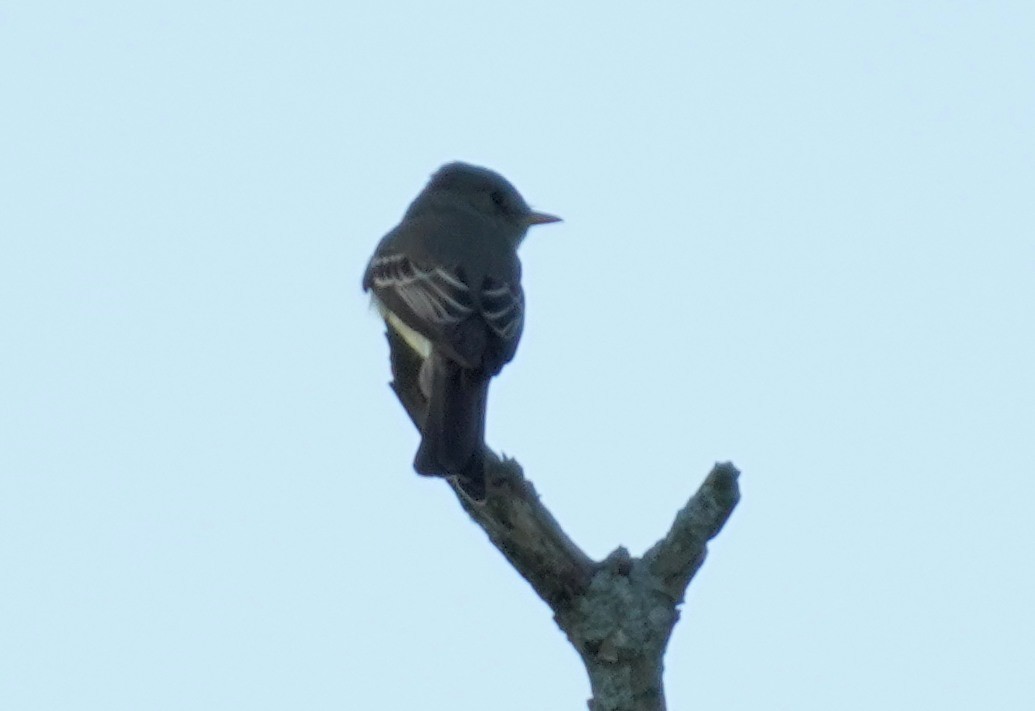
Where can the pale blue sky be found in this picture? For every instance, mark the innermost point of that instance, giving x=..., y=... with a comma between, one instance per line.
x=798, y=236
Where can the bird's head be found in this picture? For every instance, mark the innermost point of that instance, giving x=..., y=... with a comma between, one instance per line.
x=483, y=191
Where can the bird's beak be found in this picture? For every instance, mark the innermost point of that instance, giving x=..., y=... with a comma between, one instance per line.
x=540, y=218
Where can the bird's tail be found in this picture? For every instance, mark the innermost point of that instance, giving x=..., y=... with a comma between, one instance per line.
x=454, y=429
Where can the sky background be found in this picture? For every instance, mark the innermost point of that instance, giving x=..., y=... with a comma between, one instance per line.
x=798, y=236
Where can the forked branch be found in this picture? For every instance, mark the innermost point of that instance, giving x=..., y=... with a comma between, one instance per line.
x=618, y=613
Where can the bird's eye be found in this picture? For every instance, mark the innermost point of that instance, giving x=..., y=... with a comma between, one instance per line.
x=498, y=200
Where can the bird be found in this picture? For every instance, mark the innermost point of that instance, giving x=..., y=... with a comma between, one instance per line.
x=447, y=280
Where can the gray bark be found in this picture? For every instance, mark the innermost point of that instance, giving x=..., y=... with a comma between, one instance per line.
x=618, y=613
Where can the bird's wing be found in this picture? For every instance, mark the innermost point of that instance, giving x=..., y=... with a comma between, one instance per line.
x=475, y=314
x=438, y=304
x=435, y=296
x=503, y=308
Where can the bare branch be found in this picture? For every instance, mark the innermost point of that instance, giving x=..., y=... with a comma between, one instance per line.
x=675, y=559
x=618, y=613
x=526, y=533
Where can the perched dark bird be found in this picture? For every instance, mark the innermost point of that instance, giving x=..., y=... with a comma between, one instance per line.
x=447, y=279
